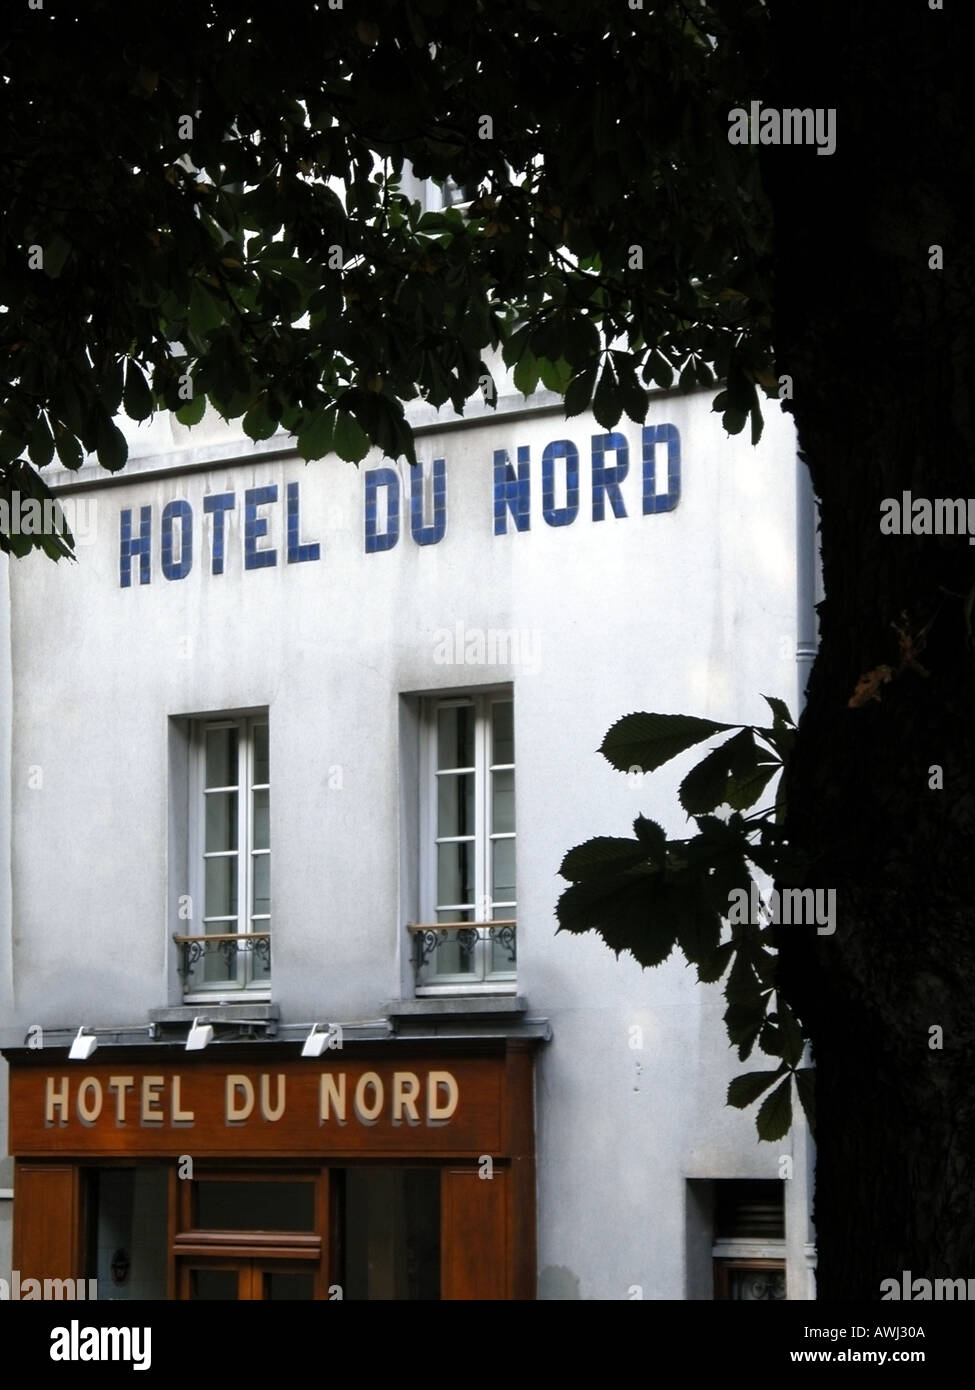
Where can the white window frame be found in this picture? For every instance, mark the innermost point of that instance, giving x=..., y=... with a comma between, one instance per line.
x=482, y=979
x=244, y=985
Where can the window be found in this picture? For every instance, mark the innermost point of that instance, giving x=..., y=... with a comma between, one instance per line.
x=466, y=936
x=230, y=857
x=749, y=1246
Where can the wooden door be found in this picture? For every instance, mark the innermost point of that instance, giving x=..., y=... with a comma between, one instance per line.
x=47, y=1240
x=474, y=1234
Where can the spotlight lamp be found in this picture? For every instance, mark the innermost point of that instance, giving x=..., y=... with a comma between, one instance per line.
x=199, y=1036
x=317, y=1040
x=83, y=1046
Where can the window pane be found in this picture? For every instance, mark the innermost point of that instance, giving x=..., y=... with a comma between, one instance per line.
x=261, y=766
x=261, y=869
x=455, y=955
x=221, y=757
x=503, y=954
x=503, y=801
x=261, y=820
x=502, y=732
x=219, y=1284
x=455, y=736
x=757, y=1285
x=503, y=871
x=221, y=820
x=290, y=1287
x=260, y=957
x=255, y=1206
x=220, y=963
x=221, y=888
x=455, y=803
x=455, y=873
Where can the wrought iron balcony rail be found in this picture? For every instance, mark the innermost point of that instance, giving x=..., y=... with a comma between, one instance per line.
x=192, y=949
x=427, y=936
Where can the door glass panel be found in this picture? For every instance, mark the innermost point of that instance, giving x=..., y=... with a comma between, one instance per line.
x=127, y=1237
x=291, y=1287
x=391, y=1233
x=213, y=1283
x=255, y=1206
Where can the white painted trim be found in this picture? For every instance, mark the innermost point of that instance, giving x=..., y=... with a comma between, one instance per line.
x=748, y=1250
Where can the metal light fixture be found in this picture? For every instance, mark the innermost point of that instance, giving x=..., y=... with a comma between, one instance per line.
x=318, y=1039
x=199, y=1036
x=83, y=1046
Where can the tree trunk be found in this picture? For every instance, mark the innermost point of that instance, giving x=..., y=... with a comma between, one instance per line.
x=880, y=348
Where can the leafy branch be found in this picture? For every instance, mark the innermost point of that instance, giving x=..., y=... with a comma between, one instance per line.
x=649, y=894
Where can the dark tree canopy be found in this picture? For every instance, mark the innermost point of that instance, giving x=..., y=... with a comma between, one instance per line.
x=174, y=228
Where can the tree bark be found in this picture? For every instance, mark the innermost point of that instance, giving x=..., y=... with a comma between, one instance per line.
x=881, y=351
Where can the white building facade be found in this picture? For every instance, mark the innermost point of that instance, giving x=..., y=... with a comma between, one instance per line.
x=296, y=751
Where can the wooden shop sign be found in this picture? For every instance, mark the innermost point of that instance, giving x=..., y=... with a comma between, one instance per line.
x=288, y=1109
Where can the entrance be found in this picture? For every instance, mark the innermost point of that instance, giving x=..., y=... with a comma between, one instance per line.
x=394, y=1174
x=383, y=1235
